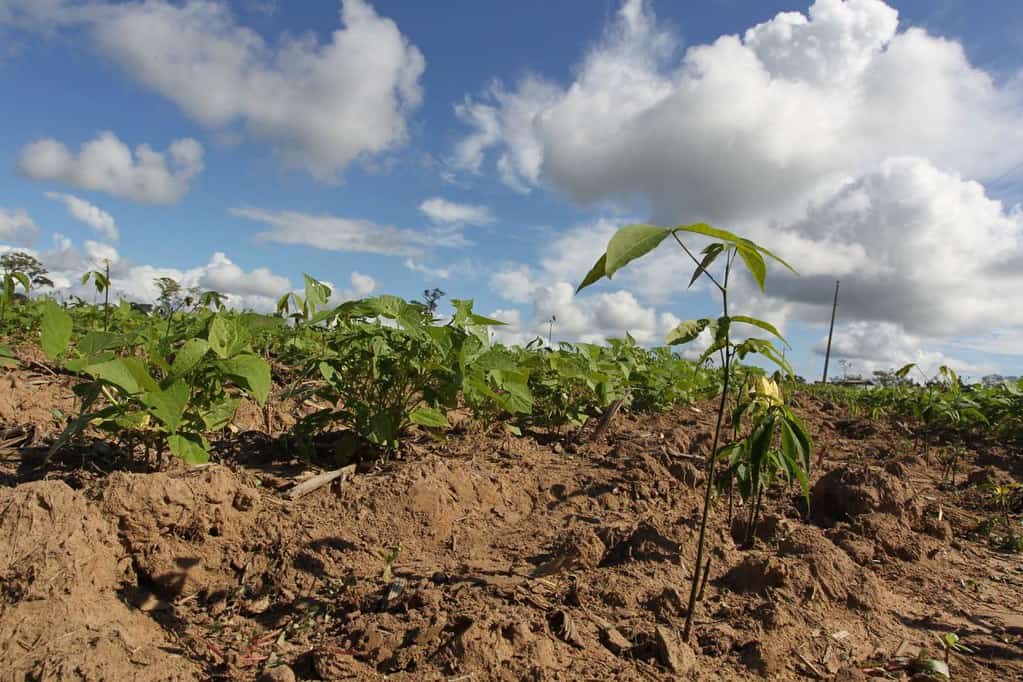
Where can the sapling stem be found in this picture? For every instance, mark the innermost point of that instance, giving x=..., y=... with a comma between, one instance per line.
x=712, y=460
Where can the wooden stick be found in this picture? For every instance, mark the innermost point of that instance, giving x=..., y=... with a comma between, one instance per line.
x=605, y=420
x=318, y=481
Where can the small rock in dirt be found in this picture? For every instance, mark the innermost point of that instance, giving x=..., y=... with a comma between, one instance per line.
x=258, y=606
x=645, y=543
x=850, y=675
x=440, y=577
x=667, y=602
x=614, y=640
x=281, y=673
x=676, y=656
x=563, y=626
x=687, y=473
x=756, y=574
x=989, y=475
x=581, y=548
x=761, y=659
x=846, y=492
x=717, y=639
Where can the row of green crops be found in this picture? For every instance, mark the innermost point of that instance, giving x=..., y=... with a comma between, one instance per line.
x=944, y=403
x=172, y=379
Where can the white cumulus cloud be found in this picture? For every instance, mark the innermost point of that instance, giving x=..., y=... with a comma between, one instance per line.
x=90, y=214
x=17, y=227
x=107, y=164
x=443, y=211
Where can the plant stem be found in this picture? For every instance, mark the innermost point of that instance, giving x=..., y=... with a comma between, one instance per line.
x=694, y=591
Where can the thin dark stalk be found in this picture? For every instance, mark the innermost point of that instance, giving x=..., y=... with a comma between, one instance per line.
x=711, y=461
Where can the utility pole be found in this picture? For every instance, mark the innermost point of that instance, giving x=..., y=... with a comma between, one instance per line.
x=831, y=331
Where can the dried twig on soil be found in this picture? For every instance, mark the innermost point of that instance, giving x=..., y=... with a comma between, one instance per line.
x=605, y=420
x=320, y=480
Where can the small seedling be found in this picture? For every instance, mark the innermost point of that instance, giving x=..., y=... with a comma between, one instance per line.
x=389, y=557
x=950, y=642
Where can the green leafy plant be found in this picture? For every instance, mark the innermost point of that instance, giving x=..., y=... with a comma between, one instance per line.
x=389, y=557
x=949, y=642
x=754, y=461
x=11, y=279
x=169, y=395
x=634, y=241
x=102, y=281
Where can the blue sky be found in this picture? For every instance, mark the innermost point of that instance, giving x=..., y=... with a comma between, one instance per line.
x=876, y=143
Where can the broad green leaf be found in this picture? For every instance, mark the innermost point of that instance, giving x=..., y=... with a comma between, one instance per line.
x=631, y=242
x=251, y=371
x=766, y=326
x=188, y=448
x=188, y=356
x=96, y=342
x=129, y=374
x=168, y=405
x=226, y=336
x=220, y=414
x=793, y=451
x=904, y=370
x=686, y=331
x=753, y=260
x=316, y=293
x=708, y=231
x=56, y=330
x=597, y=272
x=23, y=279
x=429, y=417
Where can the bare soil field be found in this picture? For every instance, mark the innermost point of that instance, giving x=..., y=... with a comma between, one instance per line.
x=490, y=557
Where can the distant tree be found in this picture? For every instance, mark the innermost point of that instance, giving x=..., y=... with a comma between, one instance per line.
x=19, y=261
x=431, y=297
x=890, y=377
x=170, y=298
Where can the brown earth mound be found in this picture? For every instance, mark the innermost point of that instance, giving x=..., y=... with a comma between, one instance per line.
x=484, y=557
x=61, y=615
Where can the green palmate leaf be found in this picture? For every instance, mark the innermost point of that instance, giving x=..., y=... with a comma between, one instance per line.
x=226, y=336
x=168, y=405
x=430, y=417
x=708, y=231
x=188, y=448
x=56, y=330
x=732, y=238
x=766, y=326
x=220, y=414
x=631, y=242
x=252, y=372
x=189, y=356
x=686, y=331
x=753, y=260
x=128, y=374
x=597, y=272
x=710, y=254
